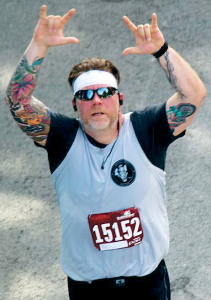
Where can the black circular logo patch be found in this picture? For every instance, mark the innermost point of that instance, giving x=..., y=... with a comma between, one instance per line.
x=123, y=173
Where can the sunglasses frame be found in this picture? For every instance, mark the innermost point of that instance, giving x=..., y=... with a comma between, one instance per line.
x=111, y=89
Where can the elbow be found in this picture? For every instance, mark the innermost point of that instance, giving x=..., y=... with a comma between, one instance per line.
x=204, y=93
x=201, y=93
x=6, y=99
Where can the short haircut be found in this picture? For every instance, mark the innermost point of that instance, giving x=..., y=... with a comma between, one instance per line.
x=93, y=63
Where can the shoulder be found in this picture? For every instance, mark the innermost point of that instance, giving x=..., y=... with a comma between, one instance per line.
x=150, y=115
x=62, y=124
x=62, y=131
x=60, y=139
x=154, y=119
x=60, y=120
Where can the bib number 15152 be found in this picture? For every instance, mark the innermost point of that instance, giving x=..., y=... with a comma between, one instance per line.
x=116, y=230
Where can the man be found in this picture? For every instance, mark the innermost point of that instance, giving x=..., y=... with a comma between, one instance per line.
x=108, y=167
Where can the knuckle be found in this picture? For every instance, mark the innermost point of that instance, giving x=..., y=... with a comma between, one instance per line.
x=50, y=20
x=146, y=26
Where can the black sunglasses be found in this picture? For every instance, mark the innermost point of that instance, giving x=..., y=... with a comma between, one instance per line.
x=88, y=95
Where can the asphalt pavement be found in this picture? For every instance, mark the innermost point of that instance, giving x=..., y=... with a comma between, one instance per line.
x=30, y=230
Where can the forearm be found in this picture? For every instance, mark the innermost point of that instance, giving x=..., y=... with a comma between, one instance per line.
x=190, y=90
x=30, y=114
x=182, y=77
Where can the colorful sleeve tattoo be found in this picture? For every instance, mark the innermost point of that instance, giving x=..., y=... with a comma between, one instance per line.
x=31, y=115
x=177, y=114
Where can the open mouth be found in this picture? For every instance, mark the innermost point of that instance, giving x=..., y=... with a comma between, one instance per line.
x=97, y=114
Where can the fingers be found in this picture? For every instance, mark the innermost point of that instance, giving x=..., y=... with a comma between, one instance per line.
x=145, y=33
x=154, y=21
x=55, y=22
x=68, y=16
x=50, y=23
x=70, y=40
x=43, y=12
x=142, y=32
x=131, y=50
x=130, y=24
x=55, y=28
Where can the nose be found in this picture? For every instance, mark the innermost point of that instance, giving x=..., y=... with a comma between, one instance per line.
x=97, y=100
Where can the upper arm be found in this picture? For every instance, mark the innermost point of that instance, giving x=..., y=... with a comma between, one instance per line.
x=180, y=113
x=182, y=107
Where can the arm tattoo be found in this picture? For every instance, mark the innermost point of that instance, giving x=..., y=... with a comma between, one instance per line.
x=31, y=115
x=171, y=77
x=177, y=115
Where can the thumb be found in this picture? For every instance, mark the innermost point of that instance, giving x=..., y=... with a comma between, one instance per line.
x=70, y=40
x=131, y=50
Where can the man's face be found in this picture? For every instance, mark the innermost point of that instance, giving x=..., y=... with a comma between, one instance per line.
x=122, y=171
x=98, y=114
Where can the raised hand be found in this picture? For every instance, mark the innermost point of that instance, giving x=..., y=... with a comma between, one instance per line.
x=149, y=39
x=49, y=31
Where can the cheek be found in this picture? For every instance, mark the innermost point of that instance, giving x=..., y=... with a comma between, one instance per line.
x=113, y=104
x=83, y=108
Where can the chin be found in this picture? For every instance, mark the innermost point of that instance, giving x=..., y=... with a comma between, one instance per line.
x=98, y=126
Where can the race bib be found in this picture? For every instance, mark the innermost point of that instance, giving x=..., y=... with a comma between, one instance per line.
x=116, y=230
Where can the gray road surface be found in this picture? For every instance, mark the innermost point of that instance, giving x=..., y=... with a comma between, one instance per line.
x=29, y=216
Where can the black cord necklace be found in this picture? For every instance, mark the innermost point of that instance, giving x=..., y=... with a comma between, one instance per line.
x=105, y=160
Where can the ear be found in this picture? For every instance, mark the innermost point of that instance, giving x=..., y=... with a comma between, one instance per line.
x=121, y=98
x=74, y=105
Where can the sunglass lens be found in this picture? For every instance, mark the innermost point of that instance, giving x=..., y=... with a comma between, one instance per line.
x=89, y=94
x=80, y=95
x=104, y=92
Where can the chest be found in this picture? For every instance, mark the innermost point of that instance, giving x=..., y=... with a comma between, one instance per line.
x=126, y=180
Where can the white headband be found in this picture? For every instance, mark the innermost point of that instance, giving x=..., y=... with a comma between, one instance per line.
x=94, y=77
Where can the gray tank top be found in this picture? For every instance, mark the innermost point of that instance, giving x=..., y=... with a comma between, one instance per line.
x=128, y=179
